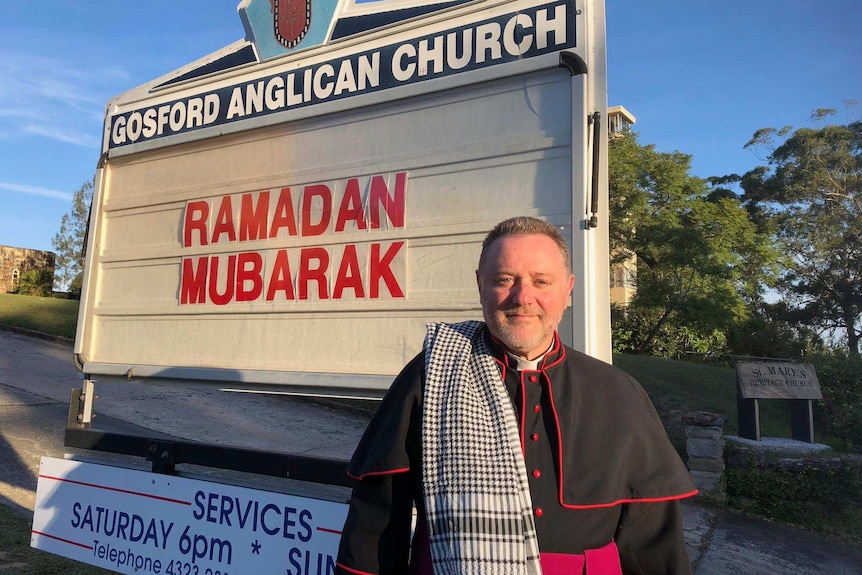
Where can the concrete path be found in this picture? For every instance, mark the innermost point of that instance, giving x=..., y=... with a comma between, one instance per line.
x=36, y=377
x=751, y=546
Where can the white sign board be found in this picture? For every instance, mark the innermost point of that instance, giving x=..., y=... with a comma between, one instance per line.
x=292, y=224
x=138, y=523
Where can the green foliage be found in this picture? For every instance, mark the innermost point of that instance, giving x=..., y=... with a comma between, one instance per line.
x=700, y=258
x=36, y=283
x=69, y=241
x=76, y=285
x=811, y=191
x=840, y=412
x=770, y=333
x=674, y=339
x=827, y=500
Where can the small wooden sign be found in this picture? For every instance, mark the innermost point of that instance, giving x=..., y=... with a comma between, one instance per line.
x=777, y=380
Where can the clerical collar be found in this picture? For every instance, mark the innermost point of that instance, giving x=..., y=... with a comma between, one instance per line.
x=524, y=364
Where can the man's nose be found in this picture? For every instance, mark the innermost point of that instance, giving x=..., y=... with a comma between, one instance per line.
x=522, y=293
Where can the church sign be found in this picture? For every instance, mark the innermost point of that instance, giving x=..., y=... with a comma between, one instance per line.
x=776, y=380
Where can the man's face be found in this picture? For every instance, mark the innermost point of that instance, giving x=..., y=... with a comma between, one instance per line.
x=524, y=289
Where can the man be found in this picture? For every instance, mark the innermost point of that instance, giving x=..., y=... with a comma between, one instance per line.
x=519, y=454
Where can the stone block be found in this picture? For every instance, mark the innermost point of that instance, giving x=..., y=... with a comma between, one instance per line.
x=700, y=464
x=706, y=480
x=704, y=448
x=703, y=432
x=704, y=419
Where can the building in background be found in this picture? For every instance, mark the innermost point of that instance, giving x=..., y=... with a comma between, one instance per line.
x=620, y=121
x=16, y=261
x=623, y=274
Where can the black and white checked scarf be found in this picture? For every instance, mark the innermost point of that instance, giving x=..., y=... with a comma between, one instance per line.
x=476, y=493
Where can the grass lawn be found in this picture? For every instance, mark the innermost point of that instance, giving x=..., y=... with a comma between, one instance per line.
x=18, y=558
x=43, y=314
x=679, y=387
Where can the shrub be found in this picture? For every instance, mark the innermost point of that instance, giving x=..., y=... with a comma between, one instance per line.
x=839, y=415
x=674, y=339
x=824, y=497
x=75, y=286
x=36, y=282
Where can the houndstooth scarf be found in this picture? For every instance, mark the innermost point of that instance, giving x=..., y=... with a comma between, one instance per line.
x=476, y=492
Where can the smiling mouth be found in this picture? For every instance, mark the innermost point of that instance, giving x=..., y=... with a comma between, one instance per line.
x=520, y=315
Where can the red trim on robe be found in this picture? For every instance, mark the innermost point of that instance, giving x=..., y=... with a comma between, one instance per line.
x=633, y=500
x=349, y=570
x=373, y=473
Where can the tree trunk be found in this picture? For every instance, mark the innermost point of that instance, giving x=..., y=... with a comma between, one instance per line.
x=644, y=346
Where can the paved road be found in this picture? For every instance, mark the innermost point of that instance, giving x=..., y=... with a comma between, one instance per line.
x=36, y=377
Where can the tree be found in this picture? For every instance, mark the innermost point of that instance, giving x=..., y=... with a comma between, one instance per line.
x=770, y=333
x=812, y=189
x=700, y=259
x=69, y=241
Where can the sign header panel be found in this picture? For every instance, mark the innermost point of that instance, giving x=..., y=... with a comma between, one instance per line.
x=777, y=381
x=473, y=42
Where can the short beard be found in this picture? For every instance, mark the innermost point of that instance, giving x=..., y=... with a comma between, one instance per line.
x=514, y=341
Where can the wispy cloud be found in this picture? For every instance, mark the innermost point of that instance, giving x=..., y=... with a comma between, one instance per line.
x=55, y=97
x=35, y=191
x=61, y=134
x=18, y=113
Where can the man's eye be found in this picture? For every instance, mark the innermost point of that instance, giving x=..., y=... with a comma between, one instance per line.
x=504, y=281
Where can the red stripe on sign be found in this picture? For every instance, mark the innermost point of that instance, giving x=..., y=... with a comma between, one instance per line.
x=116, y=490
x=75, y=543
x=325, y=530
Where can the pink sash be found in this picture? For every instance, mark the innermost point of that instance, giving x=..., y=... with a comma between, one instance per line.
x=602, y=561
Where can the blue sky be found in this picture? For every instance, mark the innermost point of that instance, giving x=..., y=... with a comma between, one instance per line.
x=699, y=76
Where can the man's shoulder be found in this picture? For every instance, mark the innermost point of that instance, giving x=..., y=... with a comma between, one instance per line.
x=597, y=378
x=407, y=387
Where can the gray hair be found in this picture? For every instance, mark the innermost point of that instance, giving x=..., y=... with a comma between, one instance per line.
x=525, y=226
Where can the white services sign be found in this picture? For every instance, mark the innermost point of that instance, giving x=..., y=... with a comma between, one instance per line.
x=137, y=523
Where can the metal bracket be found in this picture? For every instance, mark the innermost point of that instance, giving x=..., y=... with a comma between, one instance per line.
x=81, y=405
x=163, y=456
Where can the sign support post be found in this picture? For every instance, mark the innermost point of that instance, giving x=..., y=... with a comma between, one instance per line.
x=802, y=420
x=748, y=417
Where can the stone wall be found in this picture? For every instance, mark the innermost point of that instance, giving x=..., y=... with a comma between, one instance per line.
x=705, y=448
x=16, y=261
